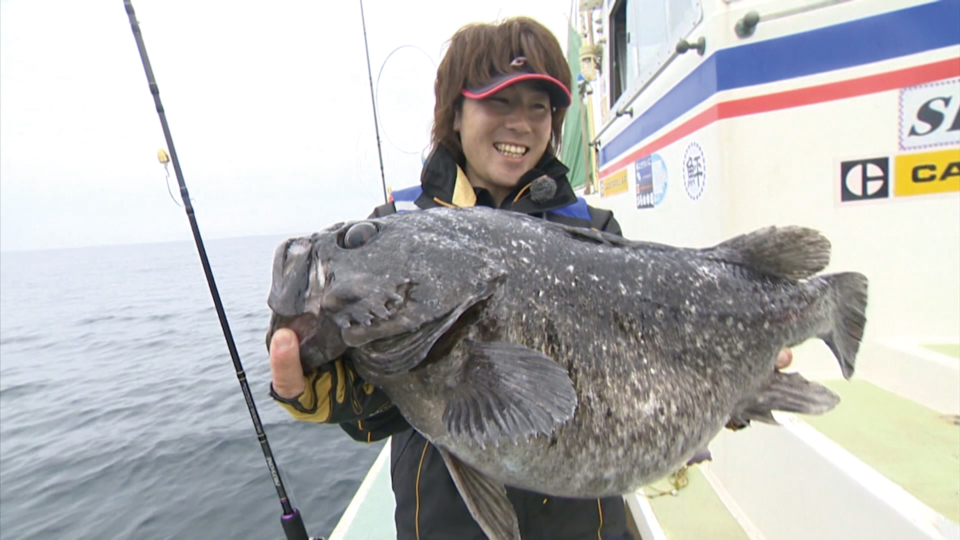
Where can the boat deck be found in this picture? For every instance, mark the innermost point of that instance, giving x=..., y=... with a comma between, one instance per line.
x=915, y=447
x=694, y=512
x=949, y=349
x=370, y=514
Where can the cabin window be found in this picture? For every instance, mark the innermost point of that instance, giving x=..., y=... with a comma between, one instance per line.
x=619, y=38
x=643, y=35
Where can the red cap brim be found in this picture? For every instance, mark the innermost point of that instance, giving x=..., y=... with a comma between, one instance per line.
x=559, y=95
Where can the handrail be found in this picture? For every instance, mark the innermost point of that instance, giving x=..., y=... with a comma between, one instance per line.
x=801, y=9
x=623, y=109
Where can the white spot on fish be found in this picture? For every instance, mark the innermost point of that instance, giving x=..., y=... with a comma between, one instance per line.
x=570, y=269
x=649, y=405
x=320, y=277
x=593, y=277
x=297, y=248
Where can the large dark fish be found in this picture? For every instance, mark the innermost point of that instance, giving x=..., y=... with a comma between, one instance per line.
x=563, y=360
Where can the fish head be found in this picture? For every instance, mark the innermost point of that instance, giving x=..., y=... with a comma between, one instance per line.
x=385, y=289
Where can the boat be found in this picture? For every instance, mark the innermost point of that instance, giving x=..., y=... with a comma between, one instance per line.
x=702, y=119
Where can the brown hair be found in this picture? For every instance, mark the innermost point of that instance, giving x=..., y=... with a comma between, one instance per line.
x=480, y=51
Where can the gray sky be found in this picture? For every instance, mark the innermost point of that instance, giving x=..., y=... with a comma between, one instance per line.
x=268, y=104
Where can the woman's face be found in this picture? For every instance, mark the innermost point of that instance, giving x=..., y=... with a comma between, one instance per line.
x=504, y=136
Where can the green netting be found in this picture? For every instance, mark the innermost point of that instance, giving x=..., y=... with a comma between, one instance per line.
x=572, y=148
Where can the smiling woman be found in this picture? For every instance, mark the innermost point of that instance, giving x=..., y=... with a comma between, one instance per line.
x=504, y=136
x=502, y=91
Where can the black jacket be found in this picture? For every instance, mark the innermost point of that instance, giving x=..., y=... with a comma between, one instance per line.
x=429, y=507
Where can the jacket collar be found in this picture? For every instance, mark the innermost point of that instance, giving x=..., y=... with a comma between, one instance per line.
x=441, y=175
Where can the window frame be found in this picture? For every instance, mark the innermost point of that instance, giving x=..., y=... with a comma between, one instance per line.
x=641, y=74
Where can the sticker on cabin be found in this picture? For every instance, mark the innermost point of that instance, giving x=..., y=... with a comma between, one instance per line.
x=614, y=184
x=651, y=176
x=694, y=171
x=927, y=173
x=930, y=115
x=864, y=179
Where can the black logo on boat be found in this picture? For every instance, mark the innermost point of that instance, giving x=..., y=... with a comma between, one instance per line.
x=865, y=179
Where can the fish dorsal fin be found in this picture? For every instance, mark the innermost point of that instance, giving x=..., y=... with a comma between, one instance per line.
x=608, y=239
x=508, y=390
x=486, y=499
x=595, y=236
x=581, y=233
x=785, y=252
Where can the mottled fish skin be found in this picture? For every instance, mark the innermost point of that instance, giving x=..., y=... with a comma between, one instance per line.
x=663, y=345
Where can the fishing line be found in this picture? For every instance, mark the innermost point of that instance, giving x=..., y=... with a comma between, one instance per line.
x=291, y=520
x=376, y=98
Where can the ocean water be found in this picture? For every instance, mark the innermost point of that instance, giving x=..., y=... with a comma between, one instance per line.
x=120, y=411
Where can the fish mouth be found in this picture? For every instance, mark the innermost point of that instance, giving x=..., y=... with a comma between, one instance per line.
x=318, y=338
x=323, y=341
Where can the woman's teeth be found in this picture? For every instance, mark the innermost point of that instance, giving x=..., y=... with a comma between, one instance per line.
x=511, y=150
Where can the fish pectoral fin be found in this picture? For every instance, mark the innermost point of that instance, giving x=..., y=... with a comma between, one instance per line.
x=508, y=390
x=786, y=252
x=784, y=392
x=486, y=499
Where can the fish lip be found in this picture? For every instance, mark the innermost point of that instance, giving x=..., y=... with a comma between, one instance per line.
x=316, y=346
x=303, y=325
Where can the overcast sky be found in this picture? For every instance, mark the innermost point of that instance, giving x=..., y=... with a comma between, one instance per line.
x=268, y=103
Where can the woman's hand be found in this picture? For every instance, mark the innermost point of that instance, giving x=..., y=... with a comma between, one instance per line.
x=784, y=359
x=285, y=364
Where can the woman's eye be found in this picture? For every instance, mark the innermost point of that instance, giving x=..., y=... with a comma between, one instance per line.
x=539, y=110
x=358, y=234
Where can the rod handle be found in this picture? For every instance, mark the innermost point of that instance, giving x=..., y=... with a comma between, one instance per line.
x=293, y=527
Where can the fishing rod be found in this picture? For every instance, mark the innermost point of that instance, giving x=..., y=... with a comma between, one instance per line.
x=291, y=520
x=376, y=123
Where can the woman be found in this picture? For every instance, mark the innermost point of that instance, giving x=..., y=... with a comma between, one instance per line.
x=501, y=94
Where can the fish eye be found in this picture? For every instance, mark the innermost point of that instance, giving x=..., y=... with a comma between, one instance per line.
x=358, y=235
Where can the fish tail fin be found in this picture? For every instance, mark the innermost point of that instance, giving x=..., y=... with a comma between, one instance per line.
x=849, y=292
x=784, y=392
